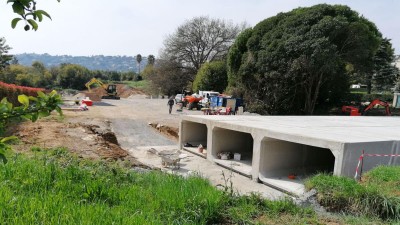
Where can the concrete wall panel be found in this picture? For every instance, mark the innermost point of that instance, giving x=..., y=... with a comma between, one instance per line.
x=281, y=158
x=225, y=140
x=353, y=151
x=194, y=133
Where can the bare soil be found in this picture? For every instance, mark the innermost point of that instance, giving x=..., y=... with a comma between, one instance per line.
x=93, y=134
x=123, y=91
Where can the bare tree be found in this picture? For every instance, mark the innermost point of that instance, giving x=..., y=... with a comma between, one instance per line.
x=200, y=40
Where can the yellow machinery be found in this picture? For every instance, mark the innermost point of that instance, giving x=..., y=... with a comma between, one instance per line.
x=111, y=89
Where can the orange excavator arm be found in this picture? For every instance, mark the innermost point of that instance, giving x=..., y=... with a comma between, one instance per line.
x=381, y=103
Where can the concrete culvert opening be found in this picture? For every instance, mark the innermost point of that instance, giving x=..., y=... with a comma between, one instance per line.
x=285, y=165
x=238, y=144
x=194, y=134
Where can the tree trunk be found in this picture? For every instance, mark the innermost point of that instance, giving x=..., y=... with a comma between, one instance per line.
x=369, y=83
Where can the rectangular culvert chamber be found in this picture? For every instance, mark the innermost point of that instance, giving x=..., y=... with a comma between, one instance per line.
x=233, y=150
x=192, y=135
x=284, y=165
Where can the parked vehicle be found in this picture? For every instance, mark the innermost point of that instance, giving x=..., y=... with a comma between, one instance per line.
x=206, y=97
x=192, y=101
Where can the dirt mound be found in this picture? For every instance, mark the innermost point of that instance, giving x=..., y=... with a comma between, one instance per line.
x=86, y=140
x=166, y=130
x=124, y=91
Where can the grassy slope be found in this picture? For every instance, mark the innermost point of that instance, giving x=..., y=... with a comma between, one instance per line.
x=377, y=196
x=53, y=187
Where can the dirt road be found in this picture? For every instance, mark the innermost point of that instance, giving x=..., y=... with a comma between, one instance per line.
x=130, y=120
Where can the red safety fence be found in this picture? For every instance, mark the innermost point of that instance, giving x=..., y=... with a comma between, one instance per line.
x=361, y=161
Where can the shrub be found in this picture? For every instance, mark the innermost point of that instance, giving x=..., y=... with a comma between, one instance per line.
x=11, y=92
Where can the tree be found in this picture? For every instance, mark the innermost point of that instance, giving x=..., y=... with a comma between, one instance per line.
x=4, y=57
x=211, y=76
x=74, y=76
x=296, y=61
x=198, y=41
x=27, y=11
x=151, y=60
x=168, y=78
x=385, y=72
x=148, y=71
x=139, y=60
x=10, y=74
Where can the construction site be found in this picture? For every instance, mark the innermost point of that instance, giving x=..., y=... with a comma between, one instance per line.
x=272, y=155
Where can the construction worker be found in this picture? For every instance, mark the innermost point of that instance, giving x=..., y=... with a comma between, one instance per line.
x=171, y=103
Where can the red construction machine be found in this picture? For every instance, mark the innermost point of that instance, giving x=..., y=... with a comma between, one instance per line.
x=359, y=111
x=192, y=101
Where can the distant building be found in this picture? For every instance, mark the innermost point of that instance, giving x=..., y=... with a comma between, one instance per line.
x=356, y=86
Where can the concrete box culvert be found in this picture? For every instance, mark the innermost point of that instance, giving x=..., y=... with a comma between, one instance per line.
x=225, y=140
x=285, y=165
x=303, y=144
x=193, y=134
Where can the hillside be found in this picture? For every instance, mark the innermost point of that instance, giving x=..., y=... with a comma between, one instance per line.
x=96, y=62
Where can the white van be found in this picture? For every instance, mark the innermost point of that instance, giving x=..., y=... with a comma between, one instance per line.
x=207, y=96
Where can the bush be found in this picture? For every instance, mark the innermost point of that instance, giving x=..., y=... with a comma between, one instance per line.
x=11, y=92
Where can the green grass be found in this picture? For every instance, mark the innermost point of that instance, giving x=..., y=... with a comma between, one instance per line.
x=377, y=196
x=142, y=84
x=54, y=187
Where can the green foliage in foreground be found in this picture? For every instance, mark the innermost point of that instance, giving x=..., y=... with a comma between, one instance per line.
x=376, y=196
x=53, y=187
x=69, y=191
x=32, y=108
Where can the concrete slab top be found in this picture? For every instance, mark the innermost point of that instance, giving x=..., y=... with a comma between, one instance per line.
x=336, y=129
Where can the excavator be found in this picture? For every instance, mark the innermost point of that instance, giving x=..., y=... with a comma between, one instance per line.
x=111, y=89
x=357, y=111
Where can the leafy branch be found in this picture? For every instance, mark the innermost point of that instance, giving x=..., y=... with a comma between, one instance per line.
x=26, y=9
x=32, y=108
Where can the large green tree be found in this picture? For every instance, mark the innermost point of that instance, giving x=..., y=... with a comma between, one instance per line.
x=295, y=61
x=74, y=76
x=211, y=76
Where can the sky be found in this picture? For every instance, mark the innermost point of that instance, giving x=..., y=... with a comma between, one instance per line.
x=131, y=27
